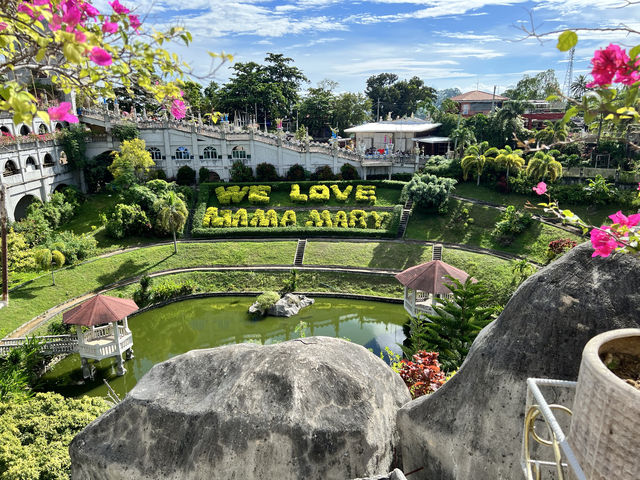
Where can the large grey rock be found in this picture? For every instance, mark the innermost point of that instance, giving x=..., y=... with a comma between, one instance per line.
x=471, y=428
x=313, y=408
x=287, y=306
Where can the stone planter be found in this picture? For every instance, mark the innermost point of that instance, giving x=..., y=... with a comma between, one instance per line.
x=605, y=427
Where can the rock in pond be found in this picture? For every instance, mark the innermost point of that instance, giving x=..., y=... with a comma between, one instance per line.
x=312, y=408
x=287, y=306
x=471, y=428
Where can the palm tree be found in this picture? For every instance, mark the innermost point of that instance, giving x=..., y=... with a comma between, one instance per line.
x=172, y=214
x=510, y=158
x=463, y=137
x=476, y=158
x=509, y=118
x=543, y=165
x=578, y=87
x=552, y=132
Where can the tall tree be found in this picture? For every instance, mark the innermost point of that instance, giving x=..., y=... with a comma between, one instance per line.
x=476, y=157
x=579, y=87
x=462, y=137
x=538, y=87
x=351, y=109
x=509, y=158
x=194, y=97
x=172, y=214
x=442, y=95
x=398, y=98
x=316, y=110
x=131, y=164
x=509, y=120
x=455, y=324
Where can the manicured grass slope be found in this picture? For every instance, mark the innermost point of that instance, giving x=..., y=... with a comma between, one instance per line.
x=38, y=296
x=532, y=243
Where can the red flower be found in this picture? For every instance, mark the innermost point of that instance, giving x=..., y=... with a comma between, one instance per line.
x=606, y=64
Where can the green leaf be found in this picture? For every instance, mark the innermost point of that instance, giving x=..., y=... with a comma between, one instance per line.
x=572, y=112
x=44, y=116
x=567, y=40
x=633, y=53
x=567, y=213
x=553, y=98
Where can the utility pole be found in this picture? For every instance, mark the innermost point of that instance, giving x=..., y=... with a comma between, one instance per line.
x=493, y=99
x=297, y=120
x=378, y=109
x=5, y=259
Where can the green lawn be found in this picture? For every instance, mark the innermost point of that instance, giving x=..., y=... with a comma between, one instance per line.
x=385, y=197
x=594, y=214
x=38, y=296
x=495, y=272
x=532, y=243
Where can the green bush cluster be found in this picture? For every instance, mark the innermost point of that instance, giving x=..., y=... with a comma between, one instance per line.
x=366, y=194
x=186, y=176
x=36, y=434
x=296, y=196
x=267, y=300
x=266, y=172
x=241, y=172
x=319, y=193
x=126, y=221
x=148, y=294
x=259, y=194
x=511, y=223
x=228, y=195
x=349, y=172
x=341, y=195
x=428, y=192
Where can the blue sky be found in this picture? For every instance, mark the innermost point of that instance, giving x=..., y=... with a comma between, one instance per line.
x=447, y=43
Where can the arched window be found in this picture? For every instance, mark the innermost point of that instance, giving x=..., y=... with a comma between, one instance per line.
x=42, y=129
x=210, y=153
x=48, y=160
x=10, y=168
x=5, y=131
x=155, y=153
x=59, y=127
x=24, y=130
x=31, y=164
x=239, y=152
x=63, y=158
x=182, y=153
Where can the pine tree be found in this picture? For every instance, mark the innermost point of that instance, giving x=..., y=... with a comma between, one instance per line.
x=455, y=324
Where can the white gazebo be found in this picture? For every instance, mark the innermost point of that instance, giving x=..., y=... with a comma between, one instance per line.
x=423, y=283
x=106, y=336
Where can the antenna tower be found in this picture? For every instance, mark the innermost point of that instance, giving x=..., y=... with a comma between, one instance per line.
x=568, y=79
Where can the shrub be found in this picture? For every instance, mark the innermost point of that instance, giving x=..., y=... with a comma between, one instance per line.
x=203, y=174
x=288, y=219
x=319, y=193
x=241, y=172
x=160, y=174
x=159, y=186
x=599, y=191
x=349, y=172
x=34, y=227
x=267, y=300
x=296, y=173
x=319, y=219
x=19, y=255
x=233, y=194
x=213, y=218
x=560, y=246
x=142, y=195
x=422, y=376
x=340, y=220
x=186, y=193
x=125, y=131
x=341, y=196
x=261, y=220
x=366, y=194
x=266, y=172
x=323, y=173
x=428, y=192
x=57, y=258
x=296, y=196
x=126, y=220
x=37, y=433
x=358, y=219
x=378, y=219
x=170, y=289
x=186, y=175
x=259, y=194
x=511, y=223
x=240, y=219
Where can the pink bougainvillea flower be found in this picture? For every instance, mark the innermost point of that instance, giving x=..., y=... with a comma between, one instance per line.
x=109, y=27
x=541, y=188
x=72, y=15
x=638, y=185
x=100, y=57
x=55, y=23
x=81, y=37
x=41, y=2
x=606, y=64
x=603, y=244
x=134, y=20
x=178, y=109
x=3, y=26
x=623, y=220
x=24, y=8
x=90, y=10
x=62, y=113
x=119, y=8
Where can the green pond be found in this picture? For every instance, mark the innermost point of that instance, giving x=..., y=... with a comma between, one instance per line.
x=165, y=332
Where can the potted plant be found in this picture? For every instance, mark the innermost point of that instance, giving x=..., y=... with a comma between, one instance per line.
x=605, y=427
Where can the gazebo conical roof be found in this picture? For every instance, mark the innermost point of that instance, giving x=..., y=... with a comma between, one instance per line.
x=99, y=310
x=430, y=277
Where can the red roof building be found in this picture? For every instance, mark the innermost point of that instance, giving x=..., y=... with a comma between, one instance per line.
x=476, y=101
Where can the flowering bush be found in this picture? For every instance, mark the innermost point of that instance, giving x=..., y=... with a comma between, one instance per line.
x=341, y=196
x=296, y=196
x=358, y=219
x=422, y=375
x=259, y=194
x=229, y=195
x=319, y=193
x=558, y=247
x=340, y=219
x=260, y=219
x=378, y=218
x=240, y=219
x=366, y=194
x=319, y=220
x=288, y=219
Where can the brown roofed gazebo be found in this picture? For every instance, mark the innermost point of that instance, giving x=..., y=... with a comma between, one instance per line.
x=105, y=337
x=423, y=282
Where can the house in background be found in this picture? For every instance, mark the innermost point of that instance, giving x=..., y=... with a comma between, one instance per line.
x=399, y=135
x=540, y=111
x=474, y=102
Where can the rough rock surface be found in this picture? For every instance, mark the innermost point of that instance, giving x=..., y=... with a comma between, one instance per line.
x=395, y=475
x=471, y=428
x=313, y=408
x=287, y=306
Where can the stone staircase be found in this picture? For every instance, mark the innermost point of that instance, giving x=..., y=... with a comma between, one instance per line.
x=299, y=257
x=436, y=253
x=404, y=218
